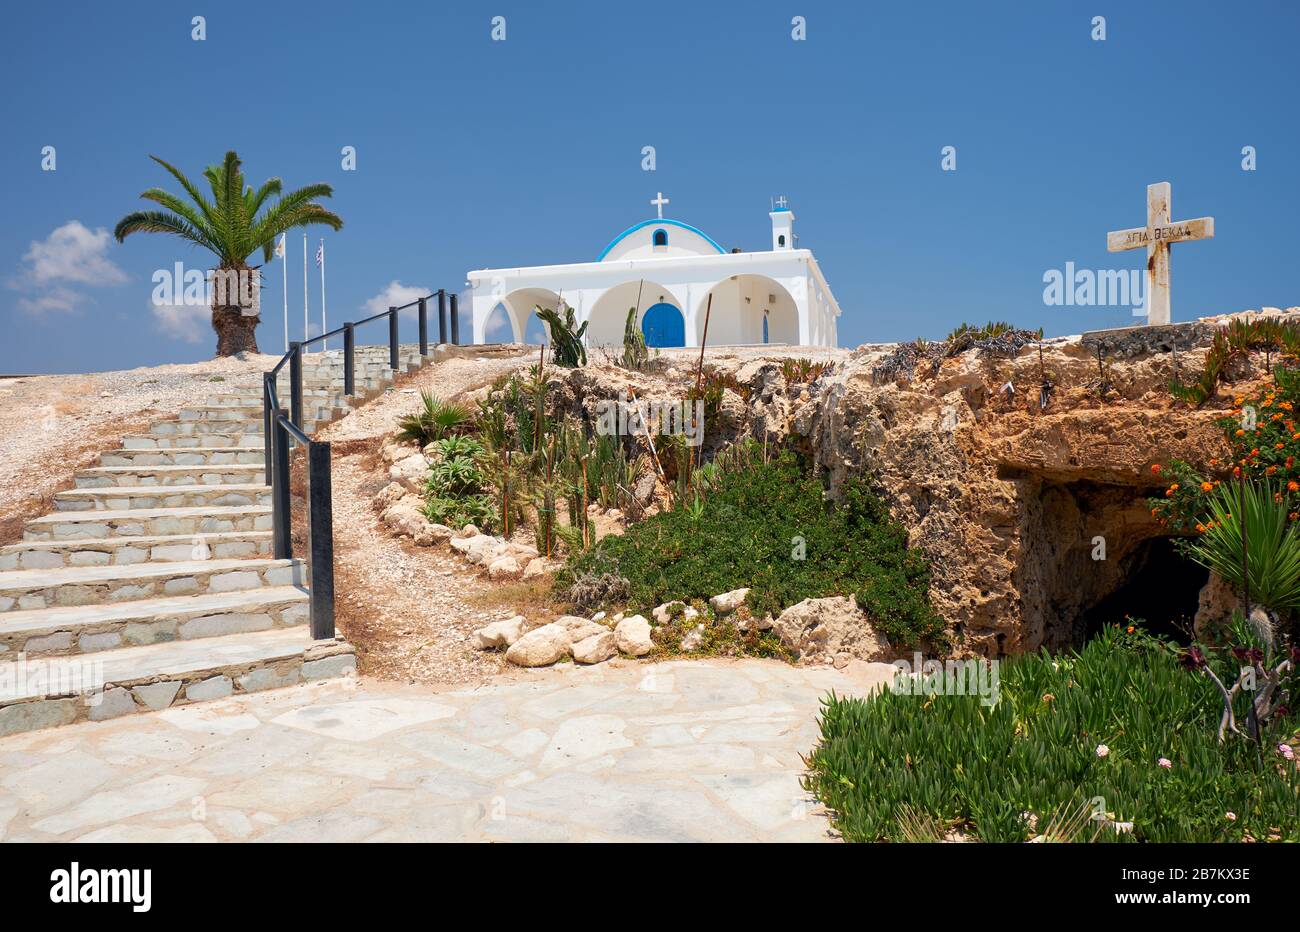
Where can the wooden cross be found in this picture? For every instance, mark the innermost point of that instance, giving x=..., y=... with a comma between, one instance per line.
x=1157, y=236
x=659, y=202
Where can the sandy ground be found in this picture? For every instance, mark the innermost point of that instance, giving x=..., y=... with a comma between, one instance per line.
x=410, y=611
x=53, y=425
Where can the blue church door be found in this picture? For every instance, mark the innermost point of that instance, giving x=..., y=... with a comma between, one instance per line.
x=663, y=325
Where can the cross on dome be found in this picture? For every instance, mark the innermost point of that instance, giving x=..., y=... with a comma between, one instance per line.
x=659, y=203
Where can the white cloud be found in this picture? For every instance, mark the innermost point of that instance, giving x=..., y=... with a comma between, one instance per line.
x=57, y=299
x=73, y=253
x=191, y=323
x=395, y=295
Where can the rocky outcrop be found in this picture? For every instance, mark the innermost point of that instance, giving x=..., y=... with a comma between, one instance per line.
x=1010, y=493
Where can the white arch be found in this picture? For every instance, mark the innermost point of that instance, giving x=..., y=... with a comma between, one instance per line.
x=518, y=305
x=608, y=315
x=739, y=305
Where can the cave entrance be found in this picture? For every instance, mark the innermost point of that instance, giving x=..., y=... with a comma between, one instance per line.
x=1160, y=587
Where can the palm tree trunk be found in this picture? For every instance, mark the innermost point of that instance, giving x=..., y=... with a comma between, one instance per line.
x=236, y=310
x=236, y=333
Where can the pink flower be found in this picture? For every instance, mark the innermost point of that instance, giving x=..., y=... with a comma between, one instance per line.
x=1102, y=750
x=1165, y=763
x=1286, y=751
x=1230, y=816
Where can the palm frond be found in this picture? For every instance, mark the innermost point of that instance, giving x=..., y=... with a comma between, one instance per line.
x=228, y=223
x=195, y=194
x=179, y=207
x=156, y=221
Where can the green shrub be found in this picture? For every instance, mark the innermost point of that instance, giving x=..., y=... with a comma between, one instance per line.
x=745, y=531
x=435, y=420
x=1271, y=563
x=453, y=489
x=1033, y=758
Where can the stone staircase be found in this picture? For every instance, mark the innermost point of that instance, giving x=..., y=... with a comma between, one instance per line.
x=152, y=583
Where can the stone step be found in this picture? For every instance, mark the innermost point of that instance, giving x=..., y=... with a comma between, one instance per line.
x=220, y=412
x=141, y=679
x=225, y=426
x=313, y=409
x=90, y=628
x=250, y=397
x=95, y=585
x=98, y=477
x=188, y=456
x=324, y=407
x=153, y=442
x=120, y=551
x=129, y=498
x=147, y=522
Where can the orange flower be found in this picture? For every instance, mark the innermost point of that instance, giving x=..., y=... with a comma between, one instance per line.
x=1200, y=528
x=1236, y=472
x=1240, y=432
x=1207, y=486
x=1277, y=446
x=1155, y=468
x=1293, y=486
x=1214, y=461
x=1270, y=470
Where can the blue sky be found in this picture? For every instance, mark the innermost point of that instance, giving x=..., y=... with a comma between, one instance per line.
x=473, y=153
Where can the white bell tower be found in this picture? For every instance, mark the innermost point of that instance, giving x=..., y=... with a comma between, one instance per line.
x=782, y=225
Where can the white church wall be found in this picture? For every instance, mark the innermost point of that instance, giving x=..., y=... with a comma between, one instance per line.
x=601, y=292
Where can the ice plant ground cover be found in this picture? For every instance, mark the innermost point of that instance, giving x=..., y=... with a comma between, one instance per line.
x=1119, y=728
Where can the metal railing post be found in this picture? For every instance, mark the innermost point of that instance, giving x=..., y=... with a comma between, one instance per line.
x=424, y=327
x=349, y=365
x=281, y=520
x=322, y=541
x=392, y=340
x=442, y=316
x=455, y=321
x=295, y=383
x=267, y=424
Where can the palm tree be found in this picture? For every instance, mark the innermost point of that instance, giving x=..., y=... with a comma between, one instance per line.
x=229, y=227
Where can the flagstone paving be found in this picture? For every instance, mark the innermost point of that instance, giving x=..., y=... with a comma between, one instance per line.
x=623, y=751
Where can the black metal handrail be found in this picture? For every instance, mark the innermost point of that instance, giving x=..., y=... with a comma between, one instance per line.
x=279, y=426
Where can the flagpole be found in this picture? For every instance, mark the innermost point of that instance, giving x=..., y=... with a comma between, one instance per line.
x=284, y=275
x=305, y=326
x=324, y=327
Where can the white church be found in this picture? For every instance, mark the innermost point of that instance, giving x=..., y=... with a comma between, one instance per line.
x=669, y=271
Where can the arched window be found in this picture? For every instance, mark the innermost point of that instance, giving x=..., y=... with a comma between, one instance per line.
x=780, y=240
x=661, y=238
